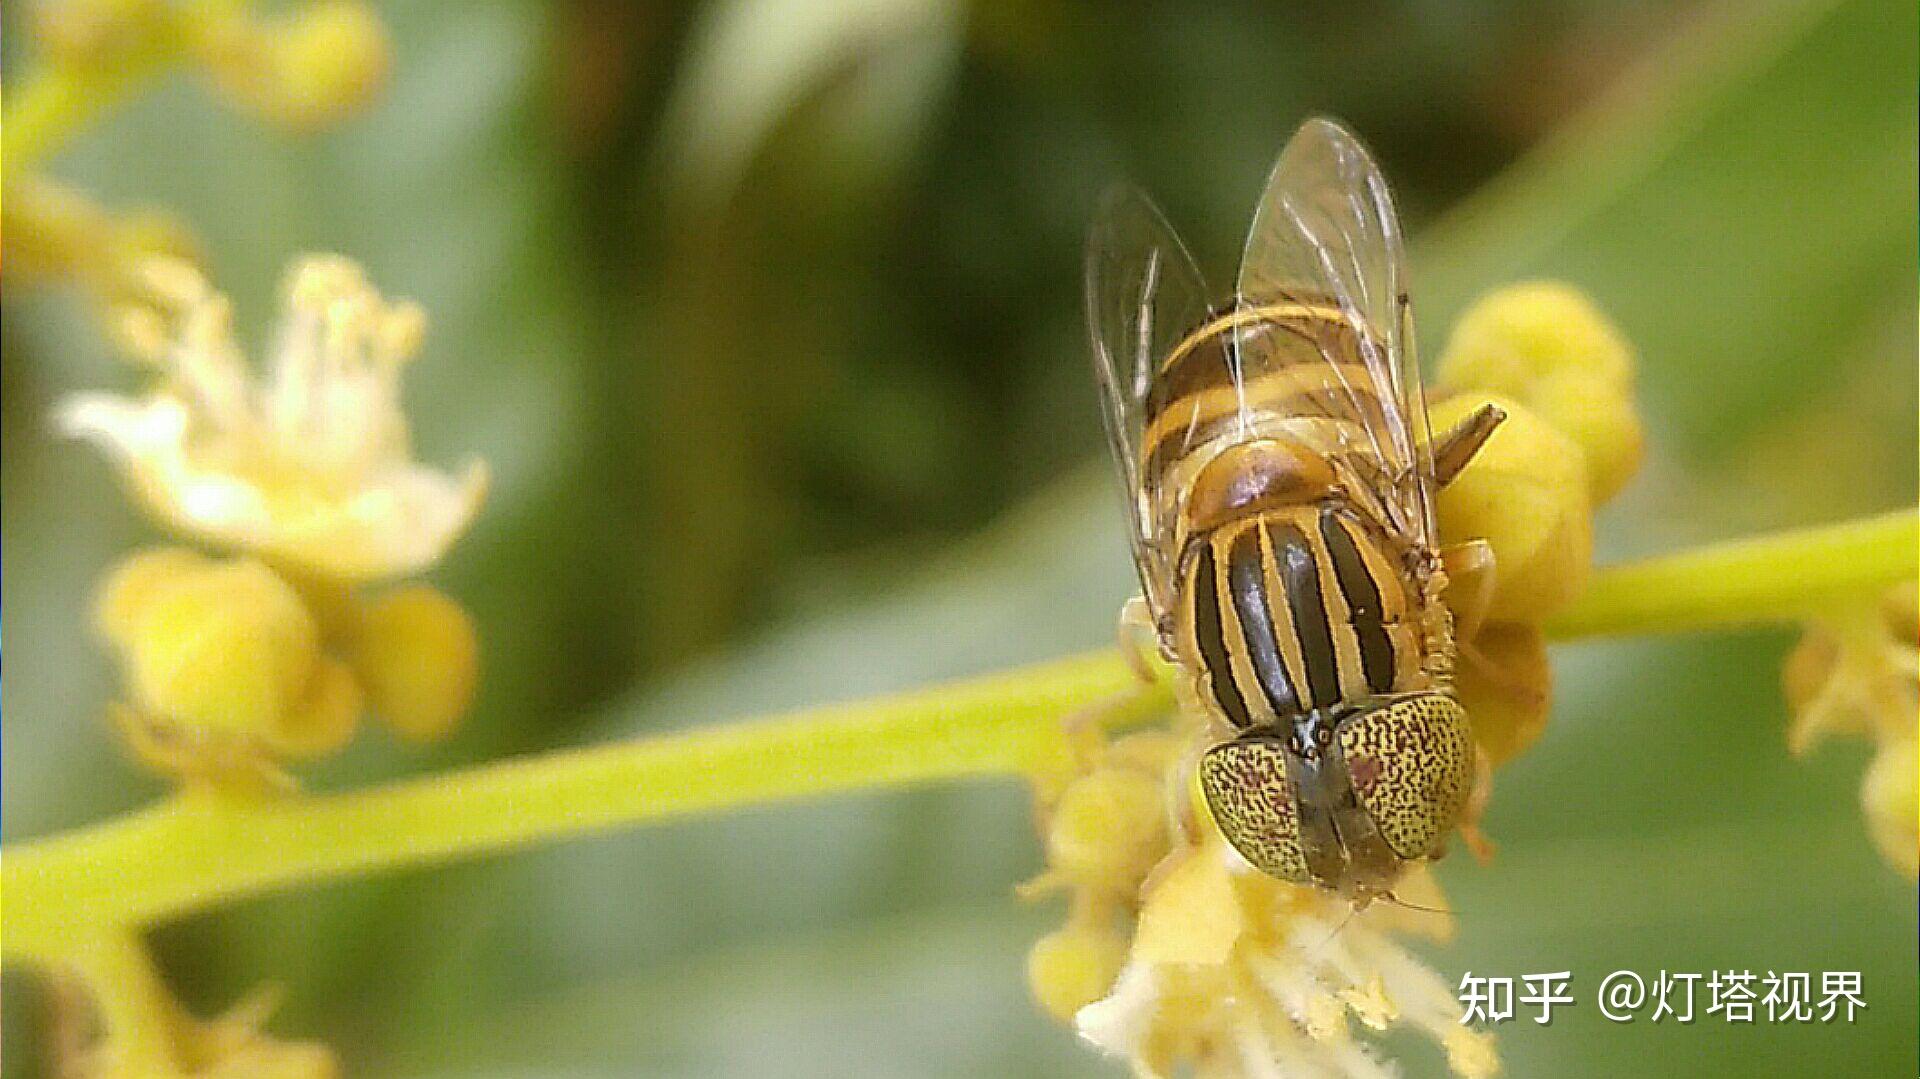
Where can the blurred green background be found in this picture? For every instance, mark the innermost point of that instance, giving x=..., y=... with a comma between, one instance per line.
x=766, y=314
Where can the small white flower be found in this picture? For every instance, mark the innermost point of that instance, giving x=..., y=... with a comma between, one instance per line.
x=1274, y=995
x=311, y=467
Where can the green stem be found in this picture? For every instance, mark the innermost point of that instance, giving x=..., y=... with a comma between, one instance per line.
x=54, y=102
x=1774, y=578
x=192, y=851
x=137, y=1015
x=200, y=849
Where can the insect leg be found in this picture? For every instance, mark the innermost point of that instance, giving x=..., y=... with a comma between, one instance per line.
x=1476, y=841
x=1453, y=450
x=1470, y=576
x=1136, y=619
x=1470, y=571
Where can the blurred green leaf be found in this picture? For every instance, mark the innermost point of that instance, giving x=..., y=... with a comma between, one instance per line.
x=1744, y=235
x=782, y=146
x=753, y=61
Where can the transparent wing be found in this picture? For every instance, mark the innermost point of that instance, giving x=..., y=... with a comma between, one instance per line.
x=1144, y=295
x=1325, y=238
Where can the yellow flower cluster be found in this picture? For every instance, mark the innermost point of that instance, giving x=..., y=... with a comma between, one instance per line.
x=306, y=70
x=231, y=1046
x=1857, y=671
x=1572, y=439
x=236, y=664
x=54, y=231
x=1175, y=952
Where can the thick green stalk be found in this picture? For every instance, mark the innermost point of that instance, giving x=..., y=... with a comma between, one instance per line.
x=1767, y=579
x=198, y=849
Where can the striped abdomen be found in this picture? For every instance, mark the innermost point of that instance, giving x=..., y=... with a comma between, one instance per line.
x=1293, y=609
x=1291, y=365
x=1295, y=373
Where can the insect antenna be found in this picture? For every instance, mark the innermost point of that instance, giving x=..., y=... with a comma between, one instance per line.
x=1399, y=902
x=1313, y=957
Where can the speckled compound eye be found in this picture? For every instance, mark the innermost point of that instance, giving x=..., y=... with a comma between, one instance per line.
x=1252, y=800
x=1411, y=763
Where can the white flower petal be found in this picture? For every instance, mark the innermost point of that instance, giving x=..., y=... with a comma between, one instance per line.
x=1119, y=1022
x=313, y=466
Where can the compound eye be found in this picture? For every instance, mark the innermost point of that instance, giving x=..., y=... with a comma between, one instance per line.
x=1252, y=800
x=1411, y=762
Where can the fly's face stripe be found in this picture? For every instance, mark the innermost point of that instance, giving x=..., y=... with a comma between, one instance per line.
x=1247, y=562
x=1210, y=638
x=1300, y=574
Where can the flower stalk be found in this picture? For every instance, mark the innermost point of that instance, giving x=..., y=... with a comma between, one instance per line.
x=132, y=999
x=59, y=101
x=201, y=848
x=1776, y=578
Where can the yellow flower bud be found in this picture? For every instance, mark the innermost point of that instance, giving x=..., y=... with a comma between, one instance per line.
x=91, y=33
x=1108, y=829
x=321, y=65
x=1150, y=752
x=332, y=59
x=1887, y=795
x=1192, y=915
x=1526, y=495
x=1514, y=336
x=1805, y=676
x=234, y=1046
x=1602, y=421
x=138, y=236
x=130, y=588
x=1505, y=684
x=323, y=721
x=1470, y=1053
x=1075, y=965
x=418, y=657
x=1546, y=345
x=228, y=648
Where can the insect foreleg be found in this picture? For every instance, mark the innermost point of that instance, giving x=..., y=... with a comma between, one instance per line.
x=1476, y=841
x=1136, y=620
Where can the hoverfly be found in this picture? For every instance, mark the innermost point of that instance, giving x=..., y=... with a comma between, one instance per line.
x=1278, y=475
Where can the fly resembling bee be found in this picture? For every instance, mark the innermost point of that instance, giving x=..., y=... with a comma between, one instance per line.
x=1279, y=474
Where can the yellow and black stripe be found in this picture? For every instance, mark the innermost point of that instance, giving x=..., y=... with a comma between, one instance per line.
x=1295, y=610
x=1293, y=360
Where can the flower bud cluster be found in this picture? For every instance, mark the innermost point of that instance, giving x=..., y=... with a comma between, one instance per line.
x=1563, y=374
x=270, y=651
x=1857, y=672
